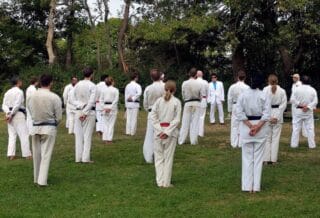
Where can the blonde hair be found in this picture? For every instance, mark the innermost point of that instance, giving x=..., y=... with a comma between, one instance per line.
x=170, y=88
x=273, y=81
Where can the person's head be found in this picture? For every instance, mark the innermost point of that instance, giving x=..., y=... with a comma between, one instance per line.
x=214, y=77
x=155, y=74
x=74, y=80
x=34, y=81
x=16, y=81
x=134, y=76
x=193, y=72
x=109, y=81
x=295, y=77
x=170, y=88
x=199, y=74
x=46, y=81
x=162, y=76
x=306, y=80
x=273, y=82
x=104, y=77
x=88, y=73
x=241, y=75
x=257, y=81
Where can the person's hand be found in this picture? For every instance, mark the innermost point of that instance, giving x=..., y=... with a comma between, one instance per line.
x=273, y=120
x=107, y=110
x=83, y=118
x=130, y=99
x=305, y=108
x=8, y=118
x=163, y=136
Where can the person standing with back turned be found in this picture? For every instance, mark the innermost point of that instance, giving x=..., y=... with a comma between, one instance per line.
x=46, y=112
x=203, y=103
x=253, y=111
x=84, y=100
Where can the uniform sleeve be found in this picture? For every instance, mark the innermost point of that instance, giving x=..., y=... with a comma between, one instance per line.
x=240, y=113
x=209, y=93
x=17, y=103
x=92, y=100
x=222, y=92
x=116, y=99
x=283, y=104
x=5, y=108
x=266, y=109
x=138, y=93
x=183, y=91
x=65, y=95
x=294, y=100
x=145, y=99
x=230, y=99
x=155, y=118
x=176, y=121
x=313, y=104
x=58, y=109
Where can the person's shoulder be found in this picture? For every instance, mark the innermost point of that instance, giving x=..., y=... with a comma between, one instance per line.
x=176, y=100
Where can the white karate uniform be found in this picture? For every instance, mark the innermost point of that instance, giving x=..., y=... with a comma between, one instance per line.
x=192, y=93
x=109, y=98
x=46, y=111
x=150, y=95
x=303, y=94
x=72, y=111
x=84, y=99
x=233, y=94
x=30, y=90
x=99, y=107
x=165, y=112
x=65, y=95
x=133, y=90
x=252, y=102
x=203, y=106
x=13, y=104
x=278, y=106
x=215, y=99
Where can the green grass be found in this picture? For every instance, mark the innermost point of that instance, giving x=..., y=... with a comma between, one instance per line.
x=119, y=183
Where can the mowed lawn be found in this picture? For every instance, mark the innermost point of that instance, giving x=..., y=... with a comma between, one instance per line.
x=207, y=180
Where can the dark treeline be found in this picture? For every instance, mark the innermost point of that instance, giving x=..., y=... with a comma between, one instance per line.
x=63, y=36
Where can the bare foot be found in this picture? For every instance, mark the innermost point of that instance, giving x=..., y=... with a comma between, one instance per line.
x=29, y=158
x=12, y=157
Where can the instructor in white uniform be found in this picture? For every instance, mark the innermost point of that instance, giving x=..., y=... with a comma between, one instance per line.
x=46, y=113
x=132, y=95
x=216, y=98
x=234, y=92
x=203, y=103
x=304, y=101
x=150, y=96
x=192, y=93
x=253, y=110
x=13, y=107
x=84, y=99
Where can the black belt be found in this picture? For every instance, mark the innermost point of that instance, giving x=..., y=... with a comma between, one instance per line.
x=234, y=102
x=299, y=107
x=46, y=124
x=190, y=100
x=149, y=110
x=254, y=117
x=20, y=109
x=107, y=102
x=93, y=109
x=275, y=106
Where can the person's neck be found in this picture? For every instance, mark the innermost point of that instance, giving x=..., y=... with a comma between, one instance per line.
x=46, y=88
x=87, y=78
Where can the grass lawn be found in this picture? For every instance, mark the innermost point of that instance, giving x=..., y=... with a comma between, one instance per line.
x=119, y=183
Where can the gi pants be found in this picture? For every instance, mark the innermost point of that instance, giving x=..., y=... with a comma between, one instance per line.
x=131, y=124
x=148, y=146
x=234, y=129
x=272, y=143
x=109, y=120
x=202, y=116
x=190, y=123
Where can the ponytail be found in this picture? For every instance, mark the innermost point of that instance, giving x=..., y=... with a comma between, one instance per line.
x=273, y=81
x=273, y=89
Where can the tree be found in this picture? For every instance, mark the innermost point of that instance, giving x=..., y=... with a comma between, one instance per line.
x=50, y=33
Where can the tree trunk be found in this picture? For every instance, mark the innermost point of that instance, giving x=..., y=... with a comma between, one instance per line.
x=70, y=22
x=50, y=35
x=108, y=38
x=238, y=61
x=121, y=36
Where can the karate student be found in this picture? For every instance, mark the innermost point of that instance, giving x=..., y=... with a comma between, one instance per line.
x=216, y=98
x=46, y=112
x=278, y=105
x=68, y=105
x=65, y=95
x=203, y=104
x=84, y=124
x=192, y=93
x=132, y=95
x=253, y=111
x=165, y=118
x=234, y=92
x=150, y=95
x=15, y=114
x=99, y=105
x=304, y=101
x=30, y=90
x=109, y=97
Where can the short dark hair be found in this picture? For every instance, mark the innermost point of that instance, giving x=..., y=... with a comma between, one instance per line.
x=87, y=72
x=14, y=80
x=241, y=75
x=305, y=80
x=74, y=76
x=257, y=81
x=155, y=74
x=134, y=75
x=193, y=72
x=214, y=74
x=109, y=81
x=45, y=80
x=103, y=77
x=33, y=80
